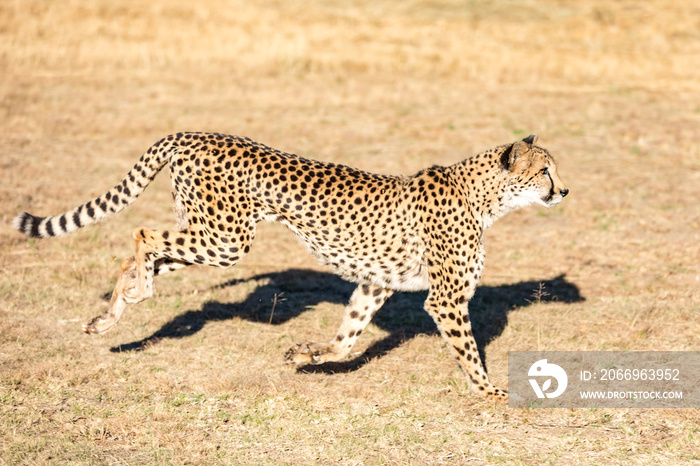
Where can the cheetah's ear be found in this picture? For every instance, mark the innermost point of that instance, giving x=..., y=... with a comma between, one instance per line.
x=531, y=139
x=515, y=153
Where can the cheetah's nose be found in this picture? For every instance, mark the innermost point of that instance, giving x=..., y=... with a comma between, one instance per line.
x=564, y=192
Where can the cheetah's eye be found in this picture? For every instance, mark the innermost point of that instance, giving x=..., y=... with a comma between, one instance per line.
x=545, y=171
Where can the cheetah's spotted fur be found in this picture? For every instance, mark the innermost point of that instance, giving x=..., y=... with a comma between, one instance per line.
x=385, y=233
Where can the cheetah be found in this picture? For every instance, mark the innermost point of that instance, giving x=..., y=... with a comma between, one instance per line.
x=384, y=233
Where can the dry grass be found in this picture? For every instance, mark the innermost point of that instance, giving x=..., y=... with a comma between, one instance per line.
x=195, y=375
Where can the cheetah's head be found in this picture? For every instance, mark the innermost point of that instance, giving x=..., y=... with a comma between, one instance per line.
x=533, y=177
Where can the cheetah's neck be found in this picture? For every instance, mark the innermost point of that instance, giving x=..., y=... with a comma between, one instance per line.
x=485, y=181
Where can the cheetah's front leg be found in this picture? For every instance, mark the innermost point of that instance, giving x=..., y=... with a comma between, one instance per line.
x=447, y=305
x=364, y=303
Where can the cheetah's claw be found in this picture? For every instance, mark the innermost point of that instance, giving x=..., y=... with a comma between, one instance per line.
x=99, y=324
x=309, y=352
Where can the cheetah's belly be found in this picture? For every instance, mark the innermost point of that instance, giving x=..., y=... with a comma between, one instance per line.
x=397, y=272
x=398, y=268
x=415, y=280
x=403, y=278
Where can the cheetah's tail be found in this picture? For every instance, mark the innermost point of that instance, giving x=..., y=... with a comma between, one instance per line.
x=99, y=209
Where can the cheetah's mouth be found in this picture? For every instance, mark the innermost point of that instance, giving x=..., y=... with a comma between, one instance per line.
x=552, y=199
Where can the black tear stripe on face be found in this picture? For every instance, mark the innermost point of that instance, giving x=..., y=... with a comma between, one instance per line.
x=550, y=196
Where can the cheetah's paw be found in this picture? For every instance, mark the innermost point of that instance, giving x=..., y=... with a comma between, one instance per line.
x=309, y=352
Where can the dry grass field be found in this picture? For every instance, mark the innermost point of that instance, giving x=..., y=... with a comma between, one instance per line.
x=196, y=375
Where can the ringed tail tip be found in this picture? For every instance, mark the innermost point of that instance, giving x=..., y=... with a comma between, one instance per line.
x=28, y=224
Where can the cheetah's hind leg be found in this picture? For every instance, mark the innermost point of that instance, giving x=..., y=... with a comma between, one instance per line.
x=107, y=320
x=157, y=252
x=124, y=293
